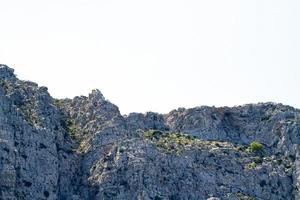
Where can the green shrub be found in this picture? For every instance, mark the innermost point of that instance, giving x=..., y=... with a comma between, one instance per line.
x=255, y=146
x=153, y=134
x=122, y=148
x=71, y=127
x=241, y=196
x=257, y=160
x=58, y=102
x=251, y=165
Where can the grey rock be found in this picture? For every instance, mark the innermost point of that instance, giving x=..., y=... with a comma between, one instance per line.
x=6, y=72
x=83, y=148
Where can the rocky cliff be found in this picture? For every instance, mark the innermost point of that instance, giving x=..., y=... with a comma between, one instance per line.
x=83, y=148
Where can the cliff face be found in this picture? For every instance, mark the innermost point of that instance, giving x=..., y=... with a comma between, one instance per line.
x=83, y=148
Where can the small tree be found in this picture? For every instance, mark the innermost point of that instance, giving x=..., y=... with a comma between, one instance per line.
x=255, y=146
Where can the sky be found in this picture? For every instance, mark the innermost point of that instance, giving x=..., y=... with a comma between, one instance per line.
x=157, y=55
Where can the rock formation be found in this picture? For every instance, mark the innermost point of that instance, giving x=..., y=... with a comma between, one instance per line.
x=83, y=148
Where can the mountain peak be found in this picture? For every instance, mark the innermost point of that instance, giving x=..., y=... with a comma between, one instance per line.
x=96, y=95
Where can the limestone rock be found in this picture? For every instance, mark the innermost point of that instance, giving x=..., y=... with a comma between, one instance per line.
x=83, y=148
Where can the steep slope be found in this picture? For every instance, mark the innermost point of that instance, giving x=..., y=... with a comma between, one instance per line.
x=36, y=150
x=83, y=148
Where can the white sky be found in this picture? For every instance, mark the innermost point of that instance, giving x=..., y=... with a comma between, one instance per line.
x=157, y=55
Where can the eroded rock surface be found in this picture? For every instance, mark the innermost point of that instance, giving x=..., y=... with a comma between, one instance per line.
x=83, y=148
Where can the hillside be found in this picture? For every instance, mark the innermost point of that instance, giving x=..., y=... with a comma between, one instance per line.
x=83, y=148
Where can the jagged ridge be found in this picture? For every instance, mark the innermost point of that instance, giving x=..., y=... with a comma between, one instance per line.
x=83, y=148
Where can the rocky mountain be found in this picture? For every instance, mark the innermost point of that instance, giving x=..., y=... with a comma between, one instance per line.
x=84, y=149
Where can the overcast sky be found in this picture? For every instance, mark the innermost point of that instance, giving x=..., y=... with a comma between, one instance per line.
x=157, y=55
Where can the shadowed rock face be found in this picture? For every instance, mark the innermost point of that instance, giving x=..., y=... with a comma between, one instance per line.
x=83, y=148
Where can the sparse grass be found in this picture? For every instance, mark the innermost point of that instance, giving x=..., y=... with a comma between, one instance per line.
x=254, y=162
x=251, y=165
x=239, y=196
x=177, y=142
x=257, y=159
x=58, y=102
x=153, y=134
x=71, y=127
x=174, y=142
x=242, y=196
x=30, y=114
